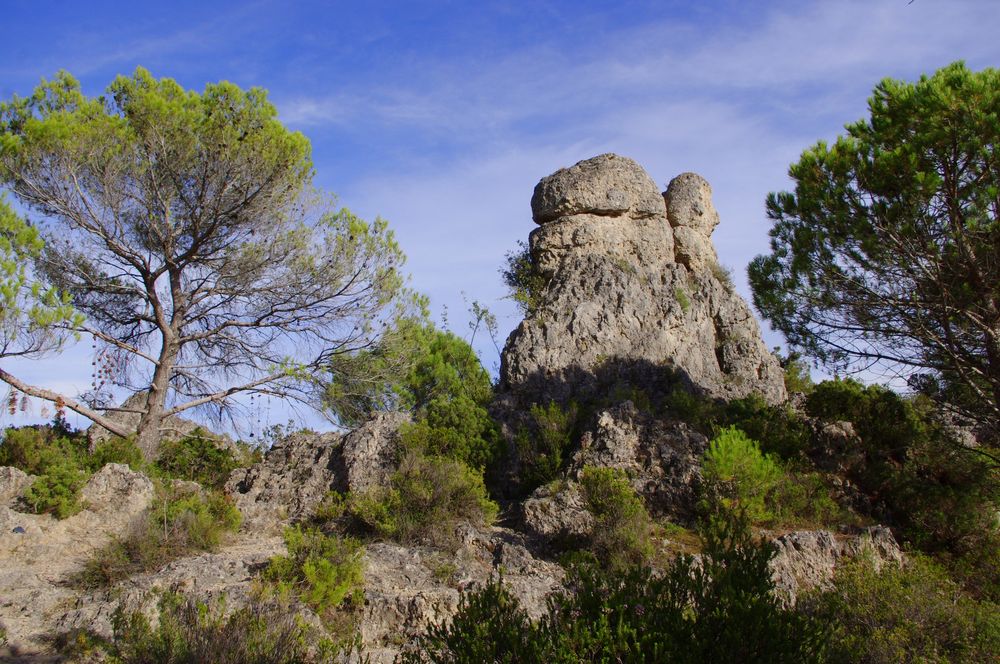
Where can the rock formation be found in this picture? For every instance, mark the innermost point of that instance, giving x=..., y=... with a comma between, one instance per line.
x=632, y=277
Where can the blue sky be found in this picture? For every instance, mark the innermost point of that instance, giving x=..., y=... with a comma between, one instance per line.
x=441, y=116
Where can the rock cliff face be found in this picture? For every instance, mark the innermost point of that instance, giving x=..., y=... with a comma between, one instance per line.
x=632, y=276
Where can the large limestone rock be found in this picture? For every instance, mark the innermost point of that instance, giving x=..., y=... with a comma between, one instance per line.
x=298, y=471
x=13, y=483
x=633, y=280
x=808, y=559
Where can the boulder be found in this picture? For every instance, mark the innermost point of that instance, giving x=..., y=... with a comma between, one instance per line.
x=298, y=471
x=631, y=281
x=808, y=559
x=661, y=457
x=13, y=483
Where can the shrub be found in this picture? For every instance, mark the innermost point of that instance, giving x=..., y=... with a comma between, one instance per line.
x=115, y=450
x=172, y=528
x=738, y=475
x=904, y=614
x=621, y=523
x=188, y=631
x=682, y=299
x=56, y=490
x=940, y=495
x=197, y=458
x=722, y=609
x=425, y=499
x=322, y=570
x=544, y=447
x=525, y=284
x=62, y=463
x=455, y=427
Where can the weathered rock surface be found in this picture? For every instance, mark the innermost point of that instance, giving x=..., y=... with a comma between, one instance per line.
x=36, y=564
x=557, y=513
x=632, y=278
x=408, y=589
x=808, y=559
x=299, y=470
x=661, y=457
x=13, y=483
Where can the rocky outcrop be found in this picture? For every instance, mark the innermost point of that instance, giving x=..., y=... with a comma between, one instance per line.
x=808, y=559
x=39, y=554
x=632, y=278
x=407, y=589
x=13, y=483
x=661, y=457
x=298, y=471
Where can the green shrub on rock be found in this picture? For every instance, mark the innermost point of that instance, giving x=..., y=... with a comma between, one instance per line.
x=544, y=447
x=198, y=458
x=738, y=475
x=911, y=613
x=323, y=570
x=173, y=527
x=187, y=631
x=719, y=610
x=425, y=499
x=621, y=535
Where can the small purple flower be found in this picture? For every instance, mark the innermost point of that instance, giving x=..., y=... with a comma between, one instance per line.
x=639, y=609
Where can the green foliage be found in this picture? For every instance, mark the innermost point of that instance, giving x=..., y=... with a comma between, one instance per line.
x=426, y=498
x=720, y=610
x=723, y=275
x=490, y=626
x=438, y=378
x=29, y=310
x=175, y=526
x=797, y=378
x=197, y=458
x=448, y=391
x=912, y=613
x=275, y=280
x=621, y=534
x=323, y=570
x=56, y=490
x=887, y=247
x=189, y=631
x=525, y=284
x=938, y=494
x=737, y=474
x=543, y=448
x=682, y=299
x=61, y=461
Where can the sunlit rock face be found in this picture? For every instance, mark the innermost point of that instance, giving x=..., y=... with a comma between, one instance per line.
x=634, y=285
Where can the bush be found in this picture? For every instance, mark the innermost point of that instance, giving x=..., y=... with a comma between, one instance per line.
x=490, y=626
x=904, y=614
x=196, y=458
x=426, y=498
x=621, y=523
x=188, y=631
x=458, y=428
x=322, y=570
x=544, y=447
x=525, y=284
x=173, y=527
x=940, y=495
x=720, y=610
x=738, y=476
x=62, y=463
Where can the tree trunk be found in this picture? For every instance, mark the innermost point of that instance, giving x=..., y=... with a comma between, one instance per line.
x=151, y=423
